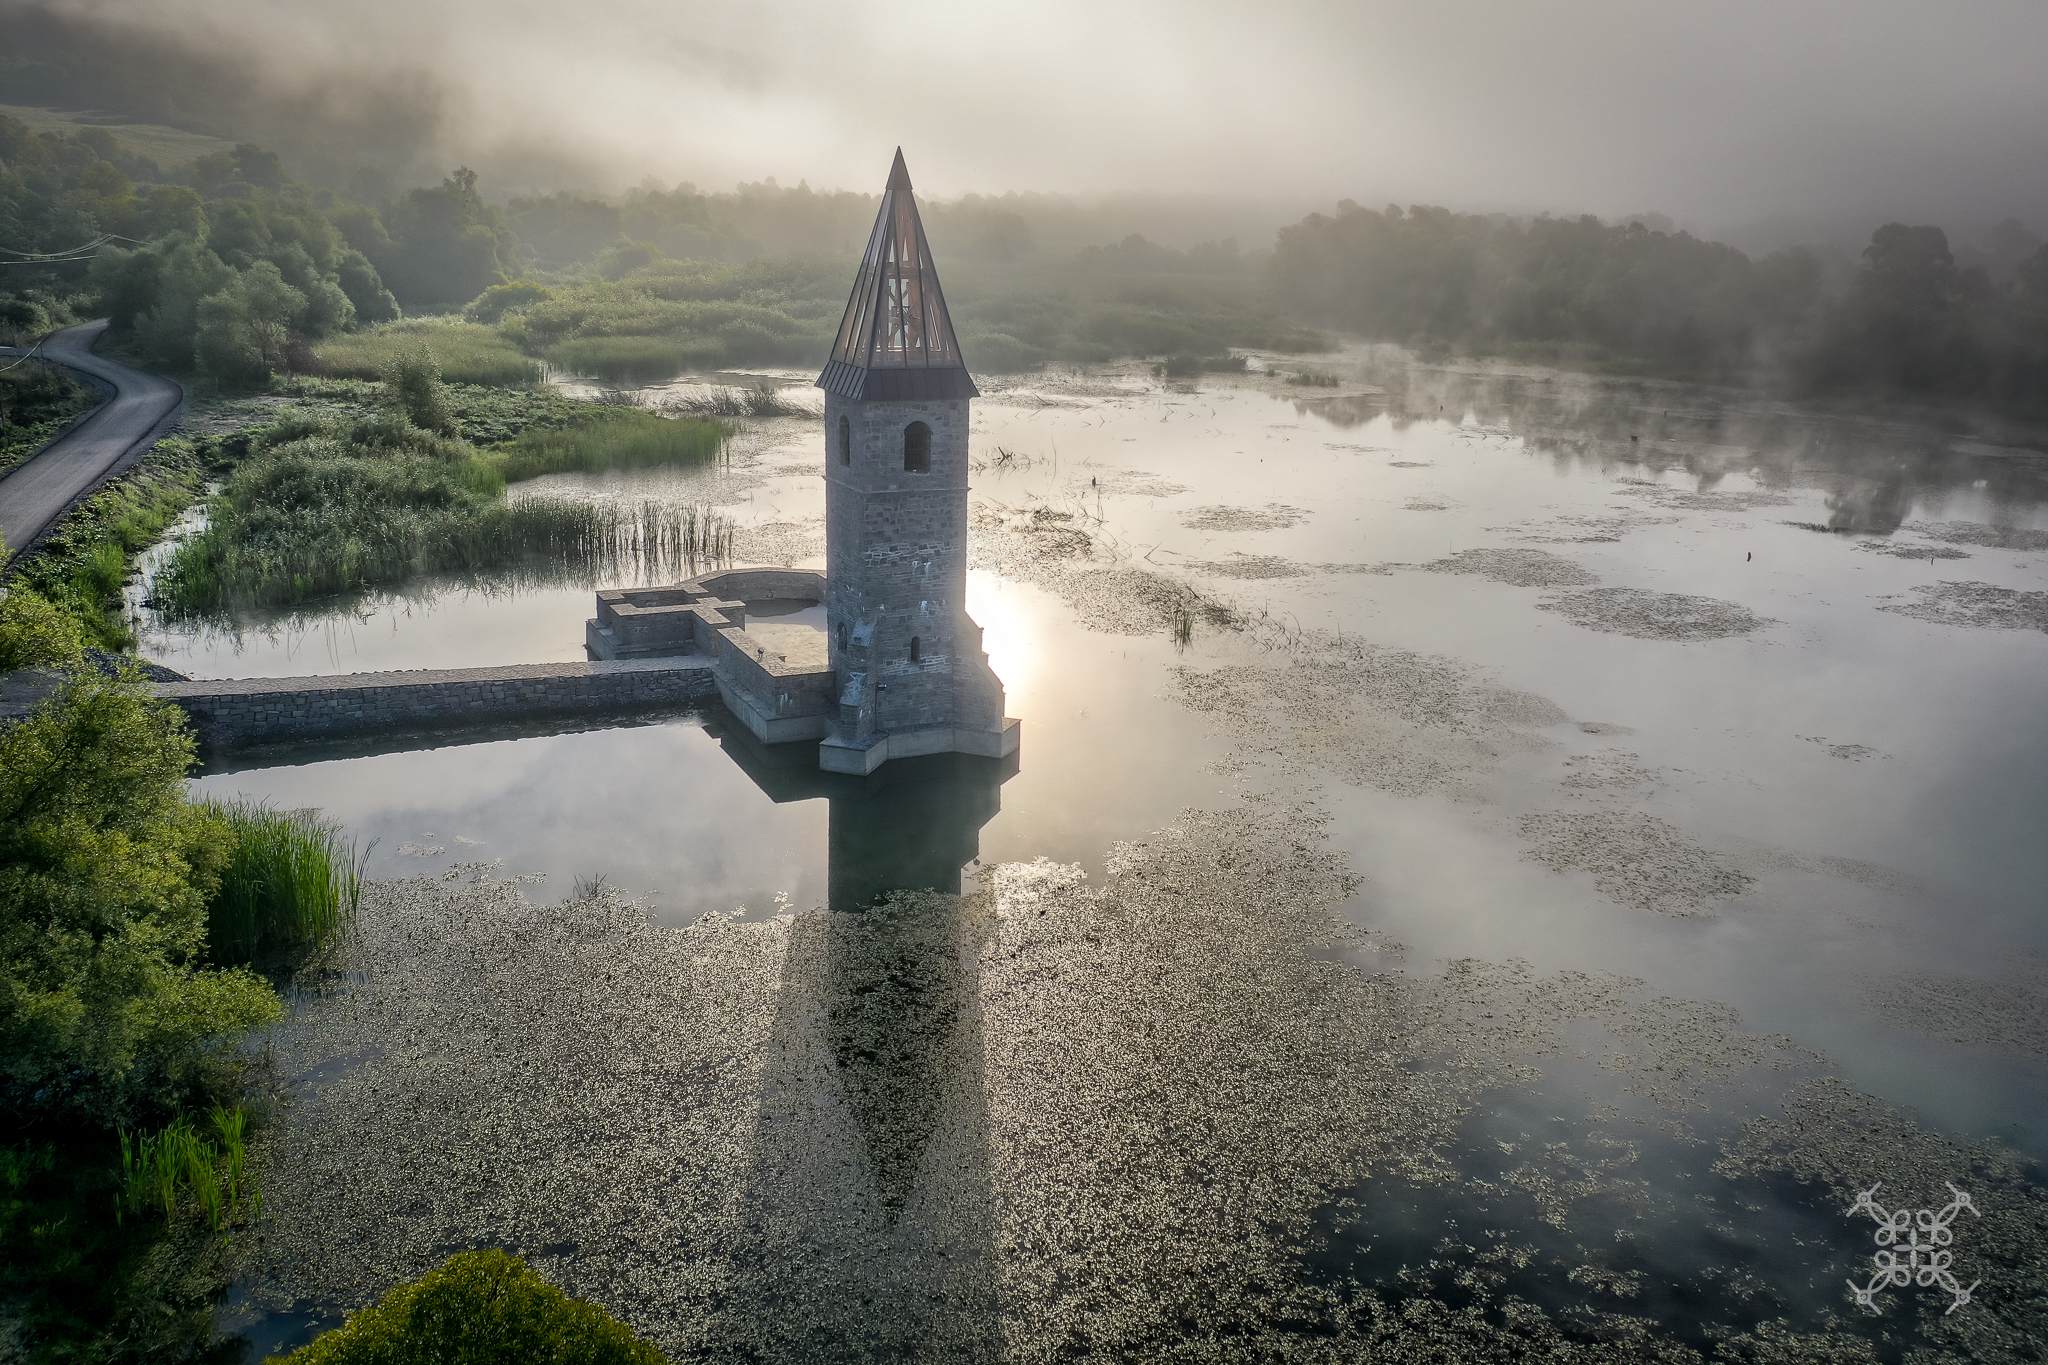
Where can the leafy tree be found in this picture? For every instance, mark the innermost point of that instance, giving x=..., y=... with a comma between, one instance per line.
x=168, y=209
x=446, y=245
x=365, y=289
x=243, y=329
x=1911, y=321
x=106, y=1006
x=187, y=271
x=482, y=1307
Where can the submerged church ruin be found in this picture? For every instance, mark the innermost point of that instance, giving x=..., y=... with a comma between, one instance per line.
x=882, y=660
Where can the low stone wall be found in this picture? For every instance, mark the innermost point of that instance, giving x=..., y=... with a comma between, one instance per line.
x=234, y=712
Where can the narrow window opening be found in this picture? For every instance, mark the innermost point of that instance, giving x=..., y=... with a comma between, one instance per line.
x=842, y=635
x=845, y=441
x=917, y=449
x=914, y=652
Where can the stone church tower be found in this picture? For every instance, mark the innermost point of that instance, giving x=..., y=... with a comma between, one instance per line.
x=907, y=661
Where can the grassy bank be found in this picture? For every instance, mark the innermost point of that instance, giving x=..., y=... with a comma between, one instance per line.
x=37, y=401
x=468, y=354
x=82, y=567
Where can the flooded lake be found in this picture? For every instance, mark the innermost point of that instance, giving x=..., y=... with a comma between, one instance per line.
x=1592, y=832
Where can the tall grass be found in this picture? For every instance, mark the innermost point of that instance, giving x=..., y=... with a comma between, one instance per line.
x=626, y=438
x=184, y=1168
x=293, y=883
x=468, y=354
x=636, y=359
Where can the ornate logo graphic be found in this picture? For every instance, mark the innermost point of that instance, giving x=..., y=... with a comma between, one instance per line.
x=1913, y=1260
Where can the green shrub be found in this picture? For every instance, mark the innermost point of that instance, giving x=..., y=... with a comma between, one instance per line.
x=479, y=1308
x=83, y=566
x=293, y=883
x=106, y=1006
x=500, y=299
x=412, y=380
x=35, y=634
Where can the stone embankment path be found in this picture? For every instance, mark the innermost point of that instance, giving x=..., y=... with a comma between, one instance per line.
x=141, y=407
x=235, y=713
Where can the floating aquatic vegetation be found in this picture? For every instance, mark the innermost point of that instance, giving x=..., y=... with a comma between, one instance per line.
x=1976, y=533
x=1839, y=1139
x=1581, y=530
x=1753, y=855
x=2011, y=1015
x=1249, y=567
x=1609, y=770
x=1906, y=549
x=1519, y=568
x=1388, y=719
x=1056, y=549
x=1983, y=605
x=1635, y=859
x=1698, y=500
x=1655, y=615
x=947, y=1128
x=1853, y=753
x=1133, y=483
x=1273, y=516
x=1425, y=505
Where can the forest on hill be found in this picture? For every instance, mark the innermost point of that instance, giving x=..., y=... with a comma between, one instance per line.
x=229, y=267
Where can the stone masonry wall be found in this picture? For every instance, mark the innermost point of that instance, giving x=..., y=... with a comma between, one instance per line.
x=897, y=556
x=234, y=712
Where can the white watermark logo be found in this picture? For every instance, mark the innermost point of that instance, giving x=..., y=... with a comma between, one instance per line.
x=1922, y=1258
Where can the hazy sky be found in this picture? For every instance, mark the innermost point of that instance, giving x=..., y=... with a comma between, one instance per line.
x=1714, y=113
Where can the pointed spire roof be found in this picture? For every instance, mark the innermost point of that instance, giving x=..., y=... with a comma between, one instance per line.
x=896, y=340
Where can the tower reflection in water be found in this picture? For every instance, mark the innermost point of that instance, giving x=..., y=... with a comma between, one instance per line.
x=867, y=1196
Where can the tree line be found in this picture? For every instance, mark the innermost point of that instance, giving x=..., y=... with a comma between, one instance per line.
x=229, y=267
x=1911, y=320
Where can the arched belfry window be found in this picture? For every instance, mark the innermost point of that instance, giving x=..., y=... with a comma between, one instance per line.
x=915, y=653
x=845, y=441
x=917, y=449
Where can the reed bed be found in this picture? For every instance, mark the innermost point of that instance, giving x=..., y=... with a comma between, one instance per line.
x=733, y=400
x=293, y=883
x=218, y=570
x=467, y=353
x=626, y=438
x=636, y=359
x=327, y=511
x=187, y=1169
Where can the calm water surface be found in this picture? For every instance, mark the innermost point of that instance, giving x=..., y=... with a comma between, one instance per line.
x=1876, y=781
